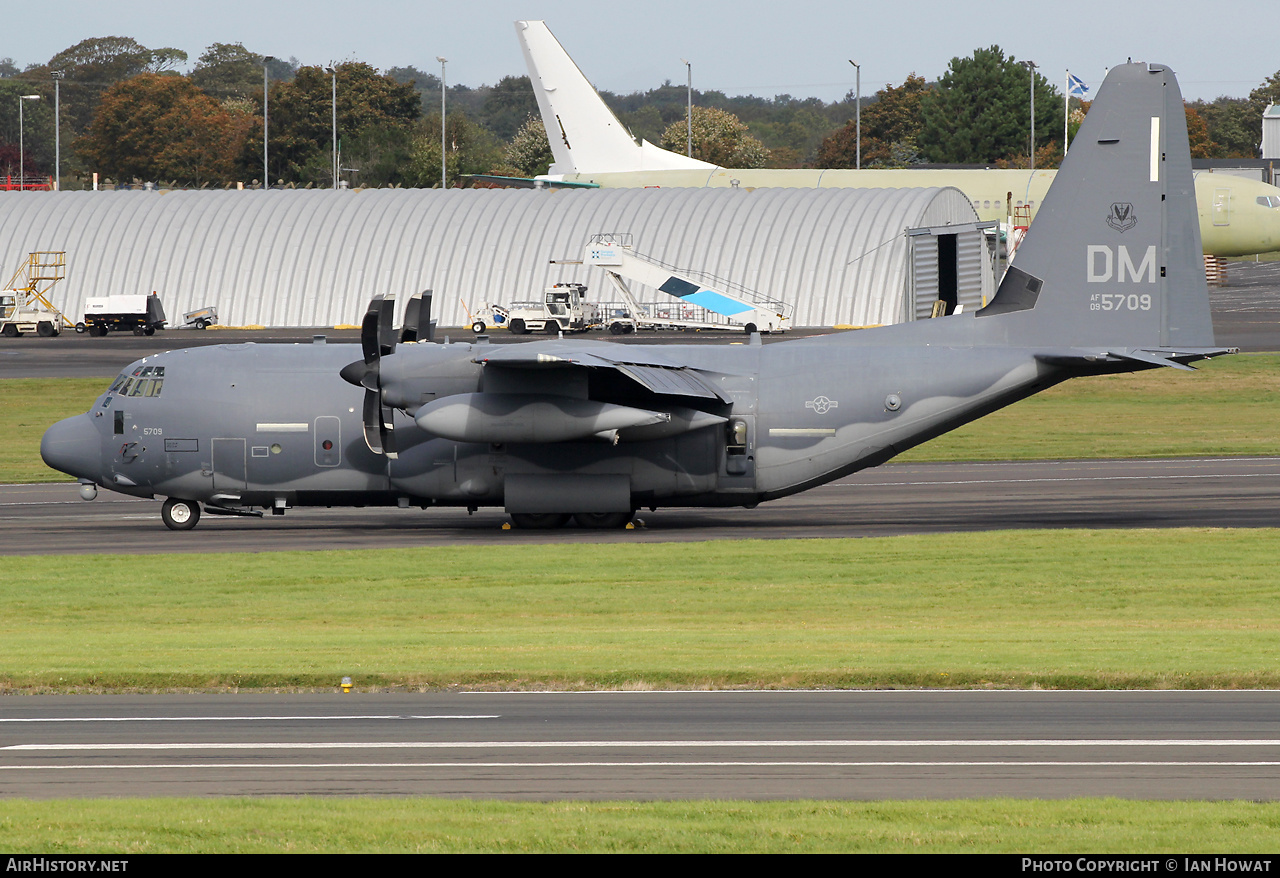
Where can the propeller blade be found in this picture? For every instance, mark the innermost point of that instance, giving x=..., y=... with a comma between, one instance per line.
x=386, y=431
x=373, y=422
x=369, y=331
x=417, y=319
x=409, y=332
x=386, y=325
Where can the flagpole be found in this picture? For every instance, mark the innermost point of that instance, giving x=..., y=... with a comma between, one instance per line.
x=1066, y=111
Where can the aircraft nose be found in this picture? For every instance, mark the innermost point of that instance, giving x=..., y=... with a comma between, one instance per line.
x=73, y=446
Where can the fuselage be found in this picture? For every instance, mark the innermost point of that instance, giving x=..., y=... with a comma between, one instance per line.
x=274, y=426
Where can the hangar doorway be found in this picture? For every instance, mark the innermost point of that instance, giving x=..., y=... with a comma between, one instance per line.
x=952, y=269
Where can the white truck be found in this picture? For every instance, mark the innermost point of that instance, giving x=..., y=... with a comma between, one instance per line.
x=20, y=314
x=103, y=314
x=564, y=308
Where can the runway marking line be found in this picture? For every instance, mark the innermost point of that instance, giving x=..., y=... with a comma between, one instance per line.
x=541, y=745
x=222, y=766
x=197, y=719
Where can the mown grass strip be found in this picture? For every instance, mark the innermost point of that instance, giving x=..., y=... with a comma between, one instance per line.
x=417, y=825
x=1069, y=609
x=1227, y=408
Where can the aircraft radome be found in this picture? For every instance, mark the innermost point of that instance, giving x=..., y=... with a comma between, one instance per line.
x=1109, y=280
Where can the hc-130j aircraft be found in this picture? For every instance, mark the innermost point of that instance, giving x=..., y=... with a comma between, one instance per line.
x=1109, y=280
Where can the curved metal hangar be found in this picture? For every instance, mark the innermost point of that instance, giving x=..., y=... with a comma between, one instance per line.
x=838, y=257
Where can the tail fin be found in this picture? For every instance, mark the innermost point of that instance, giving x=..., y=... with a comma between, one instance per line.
x=585, y=135
x=1113, y=257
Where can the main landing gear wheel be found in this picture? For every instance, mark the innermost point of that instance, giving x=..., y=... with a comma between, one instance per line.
x=602, y=520
x=180, y=514
x=539, y=520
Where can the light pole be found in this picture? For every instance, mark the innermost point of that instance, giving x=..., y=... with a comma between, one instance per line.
x=22, y=155
x=444, y=176
x=857, y=98
x=1031, y=68
x=266, y=180
x=334, y=70
x=57, y=130
x=689, y=113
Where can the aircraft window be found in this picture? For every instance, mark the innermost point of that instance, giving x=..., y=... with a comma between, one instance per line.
x=115, y=385
x=127, y=386
x=156, y=384
x=140, y=387
x=1269, y=200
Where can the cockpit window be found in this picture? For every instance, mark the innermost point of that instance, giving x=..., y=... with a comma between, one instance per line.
x=145, y=381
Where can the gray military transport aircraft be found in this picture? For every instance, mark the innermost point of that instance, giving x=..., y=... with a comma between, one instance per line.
x=1109, y=280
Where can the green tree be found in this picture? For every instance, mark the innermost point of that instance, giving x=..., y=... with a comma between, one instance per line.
x=301, y=121
x=529, y=152
x=890, y=130
x=229, y=70
x=90, y=68
x=36, y=149
x=508, y=105
x=471, y=150
x=979, y=112
x=1234, y=126
x=719, y=137
x=162, y=128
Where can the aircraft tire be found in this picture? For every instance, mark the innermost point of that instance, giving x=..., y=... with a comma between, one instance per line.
x=539, y=520
x=478, y=327
x=180, y=514
x=602, y=520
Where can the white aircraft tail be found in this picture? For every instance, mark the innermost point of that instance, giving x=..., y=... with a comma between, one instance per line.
x=586, y=137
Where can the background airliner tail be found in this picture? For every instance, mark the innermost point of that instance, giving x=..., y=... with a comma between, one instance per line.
x=585, y=135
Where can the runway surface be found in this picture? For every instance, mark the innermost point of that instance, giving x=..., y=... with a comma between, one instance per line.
x=890, y=500
x=659, y=745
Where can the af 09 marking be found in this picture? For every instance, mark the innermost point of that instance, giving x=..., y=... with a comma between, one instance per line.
x=1104, y=263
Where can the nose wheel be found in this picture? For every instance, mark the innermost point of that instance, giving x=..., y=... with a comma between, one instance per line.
x=180, y=514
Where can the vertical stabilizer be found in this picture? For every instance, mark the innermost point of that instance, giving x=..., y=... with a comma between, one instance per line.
x=1114, y=257
x=586, y=137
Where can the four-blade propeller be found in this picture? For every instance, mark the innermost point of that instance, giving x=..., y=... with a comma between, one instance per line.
x=378, y=340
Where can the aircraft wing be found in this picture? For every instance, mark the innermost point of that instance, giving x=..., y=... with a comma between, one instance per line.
x=655, y=373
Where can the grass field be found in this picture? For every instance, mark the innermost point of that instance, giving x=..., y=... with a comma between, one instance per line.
x=1228, y=407
x=1070, y=609
x=415, y=825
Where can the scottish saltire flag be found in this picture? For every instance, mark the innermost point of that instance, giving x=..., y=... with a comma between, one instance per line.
x=1075, y=86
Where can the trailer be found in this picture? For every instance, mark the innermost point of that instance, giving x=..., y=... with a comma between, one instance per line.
x=25, y=305
x=201, y=318
x=103, y=314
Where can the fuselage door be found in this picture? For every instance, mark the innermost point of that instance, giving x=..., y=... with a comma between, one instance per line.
x=228, y=466
x=1222, y=207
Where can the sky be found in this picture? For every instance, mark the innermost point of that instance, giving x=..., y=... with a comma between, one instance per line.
x=801, y=48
